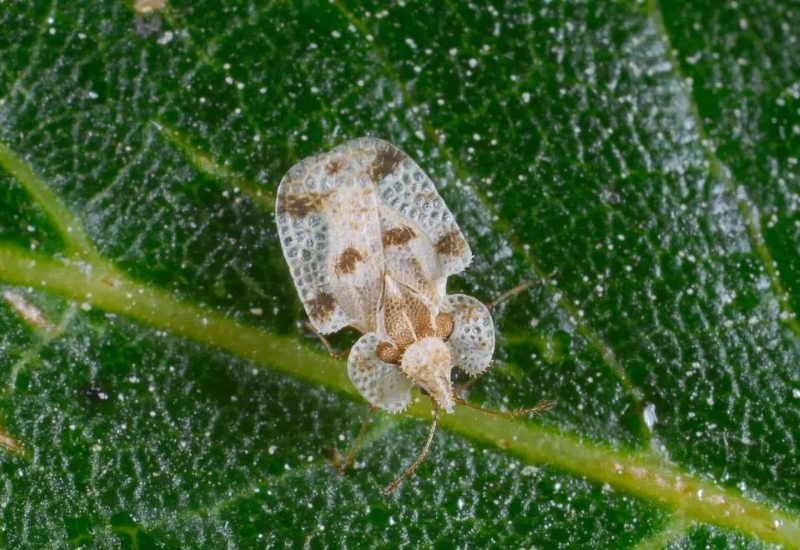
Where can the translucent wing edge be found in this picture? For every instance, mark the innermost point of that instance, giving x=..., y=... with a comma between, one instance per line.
x=408, y=191
x=302, y=229
x=472, y=340
x=380, y=383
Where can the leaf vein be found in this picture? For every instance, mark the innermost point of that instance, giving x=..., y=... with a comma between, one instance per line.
x=207, y=165
x=747, y=209
x=642, y=475
x=68, y=226
x=37, y=48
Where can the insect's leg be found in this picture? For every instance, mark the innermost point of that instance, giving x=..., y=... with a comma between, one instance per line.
x=539, y=407
x=464, y=386
x=351, y=455
x=334, y=354
x=509, y=293
x=392, y=487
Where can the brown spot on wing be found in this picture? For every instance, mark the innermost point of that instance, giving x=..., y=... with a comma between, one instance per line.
x=347, y=260
x=322, y=307
x=451, y=244
x=385, y=163
x=398, y=236
x=300, y=206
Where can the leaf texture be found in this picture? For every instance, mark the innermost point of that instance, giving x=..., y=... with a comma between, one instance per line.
x=638, y=160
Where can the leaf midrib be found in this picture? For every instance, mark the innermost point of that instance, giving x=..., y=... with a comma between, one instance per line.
x=637, y=473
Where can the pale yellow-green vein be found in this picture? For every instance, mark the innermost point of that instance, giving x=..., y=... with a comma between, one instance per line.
x=108, y=289
x=642, y=475
x=68, y=226
x=718, y=169
x=206, y=164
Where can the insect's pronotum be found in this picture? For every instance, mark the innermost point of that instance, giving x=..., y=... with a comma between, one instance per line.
x=370, y=245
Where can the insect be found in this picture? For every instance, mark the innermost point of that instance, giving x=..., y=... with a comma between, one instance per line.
x=370, y=245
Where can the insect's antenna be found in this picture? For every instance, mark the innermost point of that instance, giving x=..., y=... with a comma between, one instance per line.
x=464, y=386
x=392, y=487
x=522, y=287
x=539, y=407
x=351, y=455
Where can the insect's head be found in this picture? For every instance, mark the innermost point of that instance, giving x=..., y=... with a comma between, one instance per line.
x=428, y=363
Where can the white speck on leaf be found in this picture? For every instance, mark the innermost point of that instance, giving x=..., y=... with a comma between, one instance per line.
x=166, y=38
x=650, y=416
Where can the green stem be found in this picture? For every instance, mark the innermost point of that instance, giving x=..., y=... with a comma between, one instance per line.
x=106, y=288
x=639, y=474
x=642, y=475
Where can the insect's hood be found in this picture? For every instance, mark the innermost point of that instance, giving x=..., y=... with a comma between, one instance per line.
x=428, y=363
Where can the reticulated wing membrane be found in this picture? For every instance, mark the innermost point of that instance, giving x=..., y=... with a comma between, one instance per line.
x=409, y=255
x=422, y=242
x=380, y=383
x=329, y=228
x=472, y=340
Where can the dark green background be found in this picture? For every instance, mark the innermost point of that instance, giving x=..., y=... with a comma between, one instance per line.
x=642, y=157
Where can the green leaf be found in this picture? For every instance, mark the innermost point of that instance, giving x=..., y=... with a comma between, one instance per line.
x=638, y=160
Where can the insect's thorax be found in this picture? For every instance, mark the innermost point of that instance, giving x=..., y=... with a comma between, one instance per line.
x=406, y=317
x=413, y=335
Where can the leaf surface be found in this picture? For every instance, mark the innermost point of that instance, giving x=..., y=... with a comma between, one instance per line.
x=639, y=161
